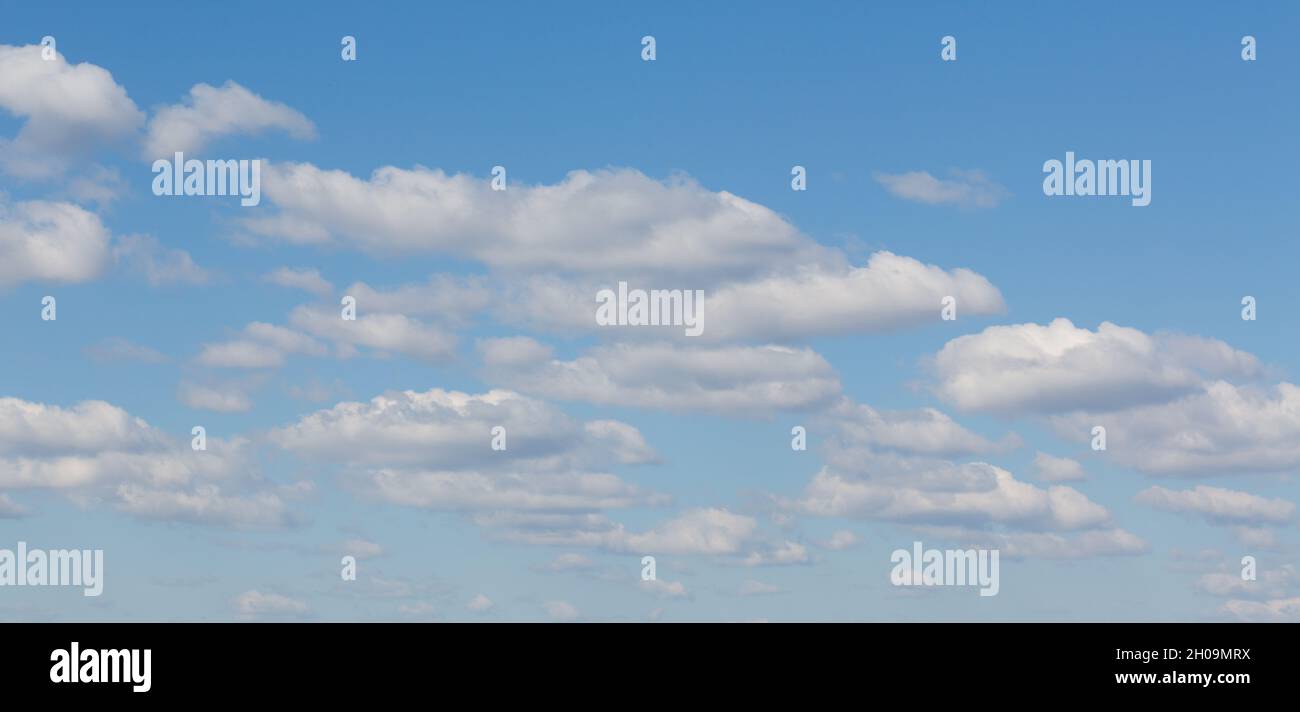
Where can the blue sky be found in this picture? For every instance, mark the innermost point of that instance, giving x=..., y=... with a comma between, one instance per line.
x=683, y=182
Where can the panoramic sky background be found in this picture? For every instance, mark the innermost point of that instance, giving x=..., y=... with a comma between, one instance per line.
x=475, y=308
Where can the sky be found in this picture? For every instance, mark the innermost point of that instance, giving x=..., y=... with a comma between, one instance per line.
x=475, y=308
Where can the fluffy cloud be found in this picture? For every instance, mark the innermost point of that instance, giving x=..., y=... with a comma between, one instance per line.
x=96, y=452
x=260, y=346
x=889, y=292
x=432, y=450
x=737, y=380
x=67, y=109
x=1222, y=428
x=1028, y=368
x=1218, y=505
x=212, y=112
x=965, y=188
x=800, y=301
x=44, y=241
x=603, y=221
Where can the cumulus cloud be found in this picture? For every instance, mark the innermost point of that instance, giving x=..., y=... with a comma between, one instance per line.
x=1028, y=368
x=67, y=110
x=54, y=242
x=212, y=112
x=601, y=221
x=798, y=301
x=1221, y=428
x=95, y=452
x=964, y=188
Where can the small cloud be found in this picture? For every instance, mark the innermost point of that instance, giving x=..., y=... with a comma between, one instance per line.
x=841, y=540
x=255, y=603
x=561, y=611
x=757, y=588
x=120, y=349
x=965, y=188
x=308, y=280
x=160, y=265
x=480, y=604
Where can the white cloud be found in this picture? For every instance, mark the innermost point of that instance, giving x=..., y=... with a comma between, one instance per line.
x=787, y=553
x=1028, y=368
x=841, y=540
x=56, y=242
x=308, y=280
x=1221, y=428
x=255, y=603
x=395, y=333
x=1218, y=505
x=665, y=589
x=1006, y=501
x=1057, y=469
x=158, y=264
x=965, y=188
x=480, y=604
x=1276, y=611
x=889, y=292
x=68, y=109
x=211, y=112
x=790, y=300
x=924, y=431
x=570, y=562
x=260, y=346
x=602, y=221
x=561, y=610
x=737, y=380
x=95, y=452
